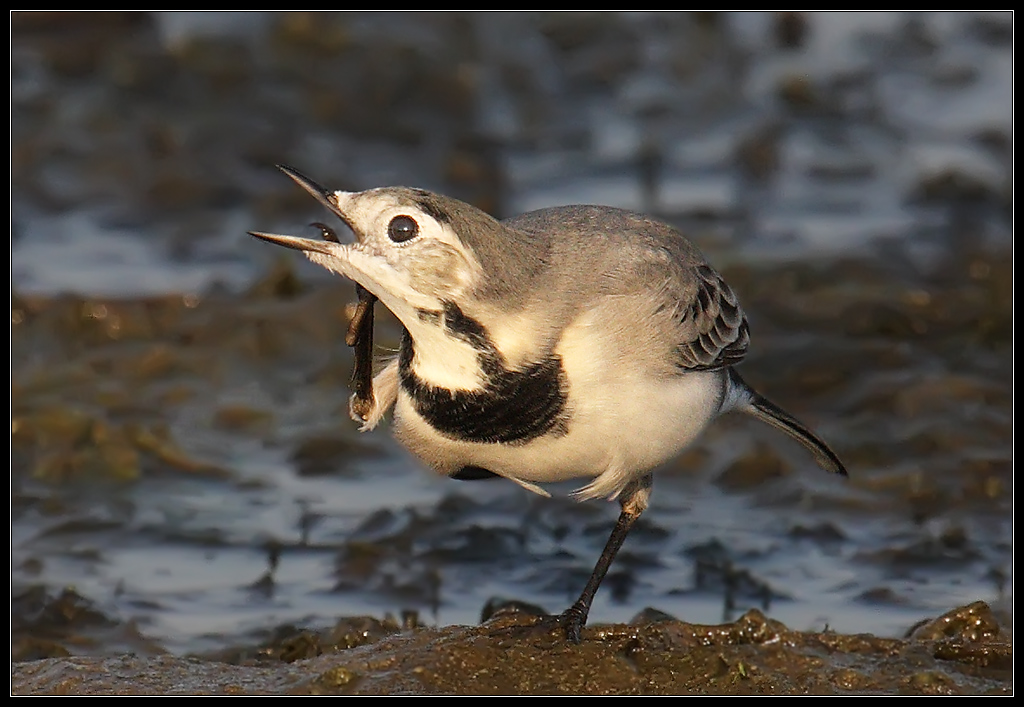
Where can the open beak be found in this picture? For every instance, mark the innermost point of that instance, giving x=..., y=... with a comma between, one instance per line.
x=306, y=245
x=321, y=194
x=350, y=260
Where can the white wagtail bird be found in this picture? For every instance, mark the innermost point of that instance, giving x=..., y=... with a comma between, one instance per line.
x=576, y=342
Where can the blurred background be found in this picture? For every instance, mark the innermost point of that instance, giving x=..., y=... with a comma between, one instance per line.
x=184, y=475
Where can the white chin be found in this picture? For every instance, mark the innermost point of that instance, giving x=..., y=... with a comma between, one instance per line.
x=377, y=276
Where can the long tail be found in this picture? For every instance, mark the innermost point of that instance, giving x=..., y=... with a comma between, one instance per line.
x=744, y=398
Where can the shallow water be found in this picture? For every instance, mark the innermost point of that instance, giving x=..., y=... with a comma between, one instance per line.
x=181, y=456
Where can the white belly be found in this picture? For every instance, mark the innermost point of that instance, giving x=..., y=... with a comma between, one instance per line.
x=629, y=410
x=617, y=431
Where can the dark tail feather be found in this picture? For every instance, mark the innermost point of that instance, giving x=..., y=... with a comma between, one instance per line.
x=753, y=403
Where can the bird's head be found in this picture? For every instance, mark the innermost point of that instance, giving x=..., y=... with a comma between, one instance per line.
x=407, y=249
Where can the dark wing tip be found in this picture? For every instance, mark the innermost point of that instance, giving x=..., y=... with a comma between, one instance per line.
x=828, y=461
x=765, y=410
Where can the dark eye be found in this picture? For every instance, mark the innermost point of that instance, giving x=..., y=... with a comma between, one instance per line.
x=402, y=228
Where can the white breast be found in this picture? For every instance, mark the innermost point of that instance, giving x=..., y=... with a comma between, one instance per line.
x=443, y=360
x=626, y=417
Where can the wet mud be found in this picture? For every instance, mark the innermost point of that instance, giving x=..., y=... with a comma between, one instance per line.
x=962, y=652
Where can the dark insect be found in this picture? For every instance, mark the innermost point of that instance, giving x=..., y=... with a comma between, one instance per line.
x=326, y=232
x=360, y=338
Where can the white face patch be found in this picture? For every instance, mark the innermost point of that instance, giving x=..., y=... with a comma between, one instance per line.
x=433, y=258
x=413, y=261
x=407, y=254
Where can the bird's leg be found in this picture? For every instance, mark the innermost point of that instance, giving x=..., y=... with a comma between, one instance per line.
x=634, y=500
x=360, y=338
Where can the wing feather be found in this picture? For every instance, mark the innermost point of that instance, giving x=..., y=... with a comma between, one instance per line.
x=714, y=327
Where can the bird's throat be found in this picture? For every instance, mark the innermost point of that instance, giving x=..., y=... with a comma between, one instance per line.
x=460, y=384
x=436, y=351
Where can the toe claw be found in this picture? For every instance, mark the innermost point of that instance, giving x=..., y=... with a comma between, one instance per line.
x=573, y=620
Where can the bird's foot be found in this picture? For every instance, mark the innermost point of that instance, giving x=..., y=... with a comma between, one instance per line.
x=572, y=621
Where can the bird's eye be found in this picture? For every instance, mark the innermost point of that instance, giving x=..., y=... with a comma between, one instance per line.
x=402, y=228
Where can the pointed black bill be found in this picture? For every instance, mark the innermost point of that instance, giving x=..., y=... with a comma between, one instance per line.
x=318, y=192
x=294, y=242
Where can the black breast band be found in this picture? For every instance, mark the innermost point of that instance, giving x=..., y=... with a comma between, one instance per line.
x=513, y=407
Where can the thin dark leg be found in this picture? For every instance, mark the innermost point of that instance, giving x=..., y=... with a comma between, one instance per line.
x=574, y=618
